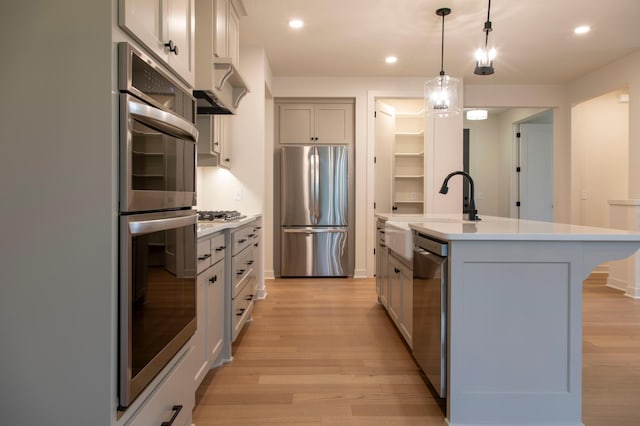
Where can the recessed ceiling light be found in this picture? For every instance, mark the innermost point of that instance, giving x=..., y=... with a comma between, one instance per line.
x=391, y=59
x=296, y=23
x=582, y=29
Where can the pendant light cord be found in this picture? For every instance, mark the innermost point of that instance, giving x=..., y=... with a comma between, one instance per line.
x=487, y=27
x=442, y=48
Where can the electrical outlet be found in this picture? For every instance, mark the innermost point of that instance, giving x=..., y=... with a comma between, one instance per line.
x=238, y=194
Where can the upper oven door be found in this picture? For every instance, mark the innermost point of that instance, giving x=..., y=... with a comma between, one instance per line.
x=157, y=158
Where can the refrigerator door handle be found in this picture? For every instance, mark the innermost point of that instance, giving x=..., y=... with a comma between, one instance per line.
x=316, y=185
x=310, y=231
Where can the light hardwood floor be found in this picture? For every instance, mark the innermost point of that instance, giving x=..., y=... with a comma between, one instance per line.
x=324, y=353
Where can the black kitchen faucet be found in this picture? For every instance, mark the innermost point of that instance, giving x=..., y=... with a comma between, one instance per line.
x=472, y=211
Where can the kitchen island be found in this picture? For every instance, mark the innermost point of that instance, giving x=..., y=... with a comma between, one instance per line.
x=514, y=314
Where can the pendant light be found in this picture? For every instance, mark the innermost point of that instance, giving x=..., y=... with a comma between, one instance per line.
x=485, y=57
x=442, y=94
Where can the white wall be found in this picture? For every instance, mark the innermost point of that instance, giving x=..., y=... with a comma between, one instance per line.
x=58, y=221
x=484, y=162
x=624, y=73
x=538, y=97
x=600, y=139
x=218, y=187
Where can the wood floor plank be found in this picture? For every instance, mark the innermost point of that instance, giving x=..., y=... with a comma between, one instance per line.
x=322, y=352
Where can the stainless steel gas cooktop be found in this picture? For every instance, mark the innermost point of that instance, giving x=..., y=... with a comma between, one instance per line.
x=218, y=216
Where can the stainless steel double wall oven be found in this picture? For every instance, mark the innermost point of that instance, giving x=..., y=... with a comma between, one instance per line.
x=157, y=289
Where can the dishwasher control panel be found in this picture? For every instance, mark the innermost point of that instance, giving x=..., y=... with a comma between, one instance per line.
x=430, y=244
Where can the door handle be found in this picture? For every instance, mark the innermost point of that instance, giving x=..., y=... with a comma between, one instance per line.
x=316, y=189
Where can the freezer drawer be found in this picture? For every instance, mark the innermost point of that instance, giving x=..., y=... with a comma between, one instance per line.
x=314, y=252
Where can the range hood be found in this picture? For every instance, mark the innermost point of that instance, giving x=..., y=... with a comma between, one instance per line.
x=228, y=89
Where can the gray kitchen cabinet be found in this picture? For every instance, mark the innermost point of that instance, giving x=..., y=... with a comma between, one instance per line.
x=382, y=265
x=217, y=30
x=400, y=306
x=214, y=141
x=208, y=338
x=175, y=390
x=322, y=123
x=218, y=27
x=244, y=274
x=215, y=314
x=166, y=29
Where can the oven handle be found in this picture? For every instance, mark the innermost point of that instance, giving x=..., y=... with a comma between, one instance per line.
x=141, y=227
x=163, y=121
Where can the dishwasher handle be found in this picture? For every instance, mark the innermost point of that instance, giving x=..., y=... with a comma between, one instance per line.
x=430, y=244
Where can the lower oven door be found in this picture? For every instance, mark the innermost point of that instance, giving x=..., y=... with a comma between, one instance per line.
x=157, y=294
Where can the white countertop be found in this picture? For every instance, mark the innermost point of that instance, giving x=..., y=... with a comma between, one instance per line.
x=208, y=228
x=456, y=227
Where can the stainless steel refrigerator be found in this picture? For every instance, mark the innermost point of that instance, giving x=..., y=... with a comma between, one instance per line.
x=314, y=211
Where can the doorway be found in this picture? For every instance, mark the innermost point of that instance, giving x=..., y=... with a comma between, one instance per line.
x=534, y=168
x=493, y=158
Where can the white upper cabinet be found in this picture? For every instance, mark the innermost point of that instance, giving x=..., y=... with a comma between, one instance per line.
x=218, y=53
x=322, y=123
x=166, y=29
x=233, y=35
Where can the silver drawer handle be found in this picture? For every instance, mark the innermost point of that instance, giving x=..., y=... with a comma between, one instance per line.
x=205, y=257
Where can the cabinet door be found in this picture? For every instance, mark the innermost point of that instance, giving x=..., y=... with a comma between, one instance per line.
x=145, y=21
x=215, y=312
x=220, y=49
x=384, y=276
x=199, y=356
x=395, y=290
x=233, y=36
x=333, y=123
x=406, y=320
x=176, y=390
x=181, y=31
x=154, y=23
x=296, y=123
x=223, y=125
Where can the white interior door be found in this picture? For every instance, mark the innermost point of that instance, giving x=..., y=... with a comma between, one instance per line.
x=536, y=172
x=385, y=129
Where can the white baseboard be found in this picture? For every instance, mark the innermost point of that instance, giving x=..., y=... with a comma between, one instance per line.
x=360, y=273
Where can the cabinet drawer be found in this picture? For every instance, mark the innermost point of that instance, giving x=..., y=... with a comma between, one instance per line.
x=176, y=390
x=204, y=254
x=217, y=248
x=242, y=266
x=242, y=238
x=243, y=305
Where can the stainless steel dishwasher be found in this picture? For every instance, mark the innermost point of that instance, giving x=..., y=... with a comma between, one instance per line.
x=430, y=309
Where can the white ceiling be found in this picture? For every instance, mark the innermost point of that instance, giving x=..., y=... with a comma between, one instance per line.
x=534, y=38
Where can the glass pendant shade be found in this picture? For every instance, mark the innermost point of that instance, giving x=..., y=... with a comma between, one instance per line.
x=443, y=96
